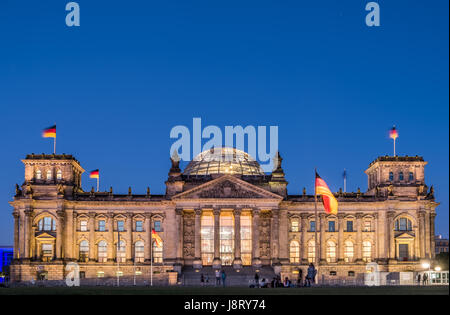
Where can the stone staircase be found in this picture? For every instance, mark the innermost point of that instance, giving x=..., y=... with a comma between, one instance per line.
x=190, y=277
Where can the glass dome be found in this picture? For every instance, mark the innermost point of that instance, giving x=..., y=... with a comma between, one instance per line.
x=223, y=161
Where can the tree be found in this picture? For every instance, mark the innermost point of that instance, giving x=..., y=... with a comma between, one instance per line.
x=441, y=260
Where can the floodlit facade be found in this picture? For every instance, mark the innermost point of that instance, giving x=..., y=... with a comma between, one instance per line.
x=221, y=211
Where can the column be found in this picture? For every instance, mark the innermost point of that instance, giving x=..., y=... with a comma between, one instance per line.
x=255, y=237
x=427, y=236
x=421, y=234
x=304, y=243
x=129, y=248
x=216, y=261
x=323, y=244
x=92, y=237
x=391, y=235
x=198, y=239
x=68, y=237
x=16, y=235
x=237, y=263
x=283, y=236
x=111, y=245
x=341, y=237
x=59, y=234
x=179, y=223
x=432, y=235
x=275, y=241
x=22, y=221
x=381, y=236
x=375, y=252
x=359, y=217
x=148, y=237
x=27, y=232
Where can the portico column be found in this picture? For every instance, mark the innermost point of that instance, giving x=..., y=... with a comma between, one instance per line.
x=255, y=232
x=68, y=237
x=59, y=234
x=421, y=234
x=16, y=235
x=129, y=247
x=323, y=245
x=391, y=235
x=427, y=236
x=275, y=236
x=359, y=237
x=27, y=232
x=198, y=239
x=92, y=237
x=283, y=236
x=216, y=262
x=237, y=262
x=180, y=230
x=111, y=245
x=341, y=237
x=148, y=237
x=432, y=235
x=304, y=245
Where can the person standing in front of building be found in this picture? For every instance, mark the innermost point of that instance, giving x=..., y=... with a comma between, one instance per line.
x=311, y=274
x=202, y=280
x=217, y=277
x=256, y=280
x=224, y=276
x=418, y=278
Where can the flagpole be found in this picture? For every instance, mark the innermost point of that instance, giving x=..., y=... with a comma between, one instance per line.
x=151, y=258
x=345, y=181
x=315, y=213
x=117, y=255
x=98, y=182
x=394, y=147
x=54, y=145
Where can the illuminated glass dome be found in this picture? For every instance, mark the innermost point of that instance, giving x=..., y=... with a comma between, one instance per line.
x=223, y=161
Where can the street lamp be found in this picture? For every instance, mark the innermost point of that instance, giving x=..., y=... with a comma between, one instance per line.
x=437, y=268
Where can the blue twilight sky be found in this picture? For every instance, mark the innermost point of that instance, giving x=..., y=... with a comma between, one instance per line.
x=117, y=84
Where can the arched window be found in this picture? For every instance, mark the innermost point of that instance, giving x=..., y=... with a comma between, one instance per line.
x=38, y=174
x=121, y=251
x=102, y=251
x=391, y=176
x=84, y=250
x=139, y=251
x=403, y=224
x=59, y=175
x=411, y=176
x=331, y=251
x=294, y=252
x=47, y=224
x=157, y=253
x=348, y=251
x=367, y=251
x=311, y=251
x=49, y=175
x=400, y=176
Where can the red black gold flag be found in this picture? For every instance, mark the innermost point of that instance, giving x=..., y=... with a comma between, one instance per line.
x=157, y=238
x=329, y=201
x=94, y=174
x=393, y=133
x=49, y=132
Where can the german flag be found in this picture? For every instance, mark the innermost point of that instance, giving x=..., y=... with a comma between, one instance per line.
x=49, y=132
x=94, y=174
x=157, y=238
x=393, y=133
x=329, y=201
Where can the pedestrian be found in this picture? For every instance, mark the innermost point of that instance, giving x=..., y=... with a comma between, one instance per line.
x=425, y=279
x=217, y=277
x=312, y=274
x=224, y=276
x=286, y=282
x=256, y=280
x=202, y=280
x=207, y=280
x=418, y=278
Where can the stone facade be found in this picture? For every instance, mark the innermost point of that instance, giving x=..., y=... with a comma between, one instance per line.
x=232, y=219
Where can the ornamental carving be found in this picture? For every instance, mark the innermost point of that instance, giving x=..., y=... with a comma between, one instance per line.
x=264, y=234
x=189, y=235
x=226, y=189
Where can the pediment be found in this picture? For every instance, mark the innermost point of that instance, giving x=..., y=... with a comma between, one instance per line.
x=227, y=186
x=44, y=235
x=404, y=235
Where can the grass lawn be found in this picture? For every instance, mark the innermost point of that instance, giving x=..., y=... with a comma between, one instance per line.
x=399, y=290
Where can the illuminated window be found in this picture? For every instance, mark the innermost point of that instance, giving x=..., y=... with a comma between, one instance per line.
x=38, y=174
x=391, y=176
x=294, y=226
x=367, y=251
x=331, y=252
x=47, y=250
x=294, y=252
x=311, y=251
x=348, y=251
x=139, y=226
x=367, y=226
x=157, y=253
x=83, y=225
x=403, y=224
x=84, y=249
x=121, y=252
x=49, y=175
x=47, y=224
x=246, y=240
x=102, y=250
x=59, y=175
x=100, y=274
x=207, y=239
x=400, y=176
x=226, y=239
x=139, y=251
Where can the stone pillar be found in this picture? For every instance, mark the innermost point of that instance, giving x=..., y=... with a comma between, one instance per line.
x=359, y=217
x=237, y=262
x=323, y=243
x=275, y=240
x=283, y=236
x=432, y=235
x=59, y=234
x=16, y=235
x=381, y=236
x=180, y=232
x=27, y=233
x=129, y=248
x=148, y=237
x=111, y=245
x=68, y=235
x=255, y=238
x=421, y=234
x=92, y=237
x=304, y=240
x=198, y=239
x=21, y=247
x=375, y=252
x=341, y=238
x=391, y=234
x=427, y=236
x=217, y=262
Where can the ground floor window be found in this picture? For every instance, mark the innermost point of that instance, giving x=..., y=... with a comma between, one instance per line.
x=367, y=251
x=331, y=252
x=403, y=252
x=311, y=251
x=246, y=240
x=157, y=253
x=139, y=251
x=207, y=239
x=294, y=252
x=348, y=251
x=226, y=239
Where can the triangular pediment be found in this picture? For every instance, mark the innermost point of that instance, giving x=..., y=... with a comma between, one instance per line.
x=45, y=235
x=404, y=235
x=227, y=186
